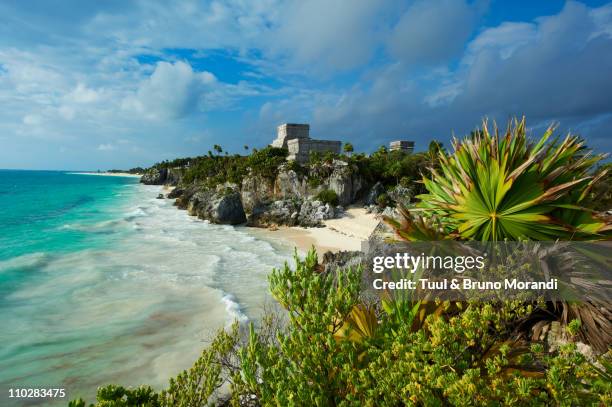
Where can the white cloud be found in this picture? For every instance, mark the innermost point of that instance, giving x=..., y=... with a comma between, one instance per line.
x=78, y=77
x=82, y=94
x=556, y=70
x=327, y=34
x=431, y=32
x=31, y=120
x=503, y=39
x=106, y=147
x=171, y=92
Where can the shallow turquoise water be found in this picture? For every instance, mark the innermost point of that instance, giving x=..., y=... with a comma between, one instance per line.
x=100, y=282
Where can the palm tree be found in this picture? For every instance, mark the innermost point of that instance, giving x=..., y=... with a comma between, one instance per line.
x=348, y=148
x=496, y=187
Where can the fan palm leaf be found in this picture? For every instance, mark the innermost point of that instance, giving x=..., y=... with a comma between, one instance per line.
x=495, y=187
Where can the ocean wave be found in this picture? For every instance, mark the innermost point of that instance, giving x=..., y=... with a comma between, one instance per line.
x=26, y=262
x=105, y=227
x=233, y=308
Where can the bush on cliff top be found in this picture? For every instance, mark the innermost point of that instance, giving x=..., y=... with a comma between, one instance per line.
x=212, y=170
x=335, y=350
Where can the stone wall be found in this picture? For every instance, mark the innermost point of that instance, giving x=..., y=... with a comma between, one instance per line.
x=403, y=145
x=290, y=131
x=299, y=149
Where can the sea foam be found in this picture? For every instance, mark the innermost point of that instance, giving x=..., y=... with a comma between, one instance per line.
x=135, y=284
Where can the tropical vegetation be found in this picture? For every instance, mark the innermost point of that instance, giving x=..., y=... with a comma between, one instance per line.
x=333, y=343
x=504, y=186
x=338, y=349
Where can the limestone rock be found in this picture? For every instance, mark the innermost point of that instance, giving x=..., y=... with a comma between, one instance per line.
x=401, y=195
x=163, y=176
x=153, y=177
x=256, y=192
x=281, y=212
x=374, y=193
x=313, y=212
x=344, y=181
x=175, y=193
x=222, y=206
x=342, y=260
x=289, y=185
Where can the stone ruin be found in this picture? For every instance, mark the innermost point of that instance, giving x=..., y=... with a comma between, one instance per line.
x=296, y=138
x=402, y=145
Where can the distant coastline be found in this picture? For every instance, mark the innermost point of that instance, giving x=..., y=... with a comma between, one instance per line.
x=108, y=174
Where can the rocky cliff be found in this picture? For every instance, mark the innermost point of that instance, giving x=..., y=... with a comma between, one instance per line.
x=220, y=205
x=163, y=176
x=290, y=198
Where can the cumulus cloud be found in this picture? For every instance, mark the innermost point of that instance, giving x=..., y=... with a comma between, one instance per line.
x=82, y=94
x=433, y=31
x=553, y=69
x=559, y=70
x=106, y=147
x=172, y=91
x=363, y=70
x=335, y=34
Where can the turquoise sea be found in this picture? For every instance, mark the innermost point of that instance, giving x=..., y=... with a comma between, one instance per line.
x=100, y=282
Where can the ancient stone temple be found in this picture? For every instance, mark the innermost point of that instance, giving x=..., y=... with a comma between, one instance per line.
x=402, y=145
x=296, y=138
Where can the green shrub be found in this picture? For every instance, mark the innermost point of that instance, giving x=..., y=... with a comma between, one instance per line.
x=328, y=196
x=335, y=350
x=314, y=182
x=265, y=162
x=406, y=182
x=383, y=200
x=299, y=169
x=495, y=187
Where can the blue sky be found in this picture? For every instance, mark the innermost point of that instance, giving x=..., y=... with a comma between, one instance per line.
x=116, y=84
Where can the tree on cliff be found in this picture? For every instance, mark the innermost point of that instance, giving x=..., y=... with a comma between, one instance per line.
x=348, y=148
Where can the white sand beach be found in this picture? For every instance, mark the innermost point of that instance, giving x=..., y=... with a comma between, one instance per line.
x=345, y=233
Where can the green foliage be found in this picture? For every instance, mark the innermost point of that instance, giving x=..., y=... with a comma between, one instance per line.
x=302, y=368
x=389, y=167
x=406, y=182
x=335, y=350
x=496, y=187
x=328, y=196
x=194, y=387
x=135, y=170
x=299, y=169
x=213, y=170
x=383, y=200
x=348, y=148
x=573, y=327
x=599, y=197
x=178, y=162
x=265, y=162
x=119, y=396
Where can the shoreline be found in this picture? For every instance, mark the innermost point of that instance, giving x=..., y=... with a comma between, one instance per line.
x=107, y=174
x=340, y=234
